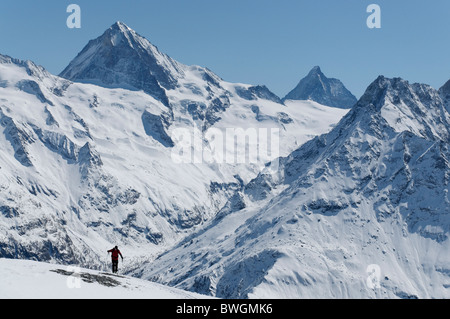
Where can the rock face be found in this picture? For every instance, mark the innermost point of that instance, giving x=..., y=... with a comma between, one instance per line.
x=155, y=128
x=444, y=91
x=327, y=91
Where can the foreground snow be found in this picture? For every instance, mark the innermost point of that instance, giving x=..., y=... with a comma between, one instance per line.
x=36, y=280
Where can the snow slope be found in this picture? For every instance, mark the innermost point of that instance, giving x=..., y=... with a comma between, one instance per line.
x=24, y=279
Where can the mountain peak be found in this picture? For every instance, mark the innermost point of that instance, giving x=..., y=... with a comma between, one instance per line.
x=121, y=26
x=121, y=58
x=315, y=70
x=327, y=91
x=416, y=107
x=397, y=91
x=120, y=34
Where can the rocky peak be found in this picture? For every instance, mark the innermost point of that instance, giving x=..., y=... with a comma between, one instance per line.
x=327, y=91
x=120, y=57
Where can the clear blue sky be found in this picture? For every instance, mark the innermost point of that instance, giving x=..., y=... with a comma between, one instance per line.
x=266, y=42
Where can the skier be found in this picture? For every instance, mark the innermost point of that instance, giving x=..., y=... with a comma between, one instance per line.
x=115, y=252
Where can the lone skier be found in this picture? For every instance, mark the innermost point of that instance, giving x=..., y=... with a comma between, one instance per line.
x=115, y=252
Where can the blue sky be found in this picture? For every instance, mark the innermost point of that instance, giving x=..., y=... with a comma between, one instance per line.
x=266, y=42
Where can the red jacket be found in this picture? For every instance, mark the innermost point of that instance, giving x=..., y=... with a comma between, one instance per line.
x=115, y=254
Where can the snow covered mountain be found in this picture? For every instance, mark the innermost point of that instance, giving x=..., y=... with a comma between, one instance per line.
x=125, y=148
x=362, y=211
x=327, y=91
x=121, y=57
x=85, y=166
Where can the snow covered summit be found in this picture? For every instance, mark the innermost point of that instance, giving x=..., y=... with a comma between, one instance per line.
x=120, y=57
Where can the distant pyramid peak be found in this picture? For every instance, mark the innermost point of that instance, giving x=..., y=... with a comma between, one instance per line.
x=121, y=26
x=315, y=70
x=119, y=33
x=327, y=91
